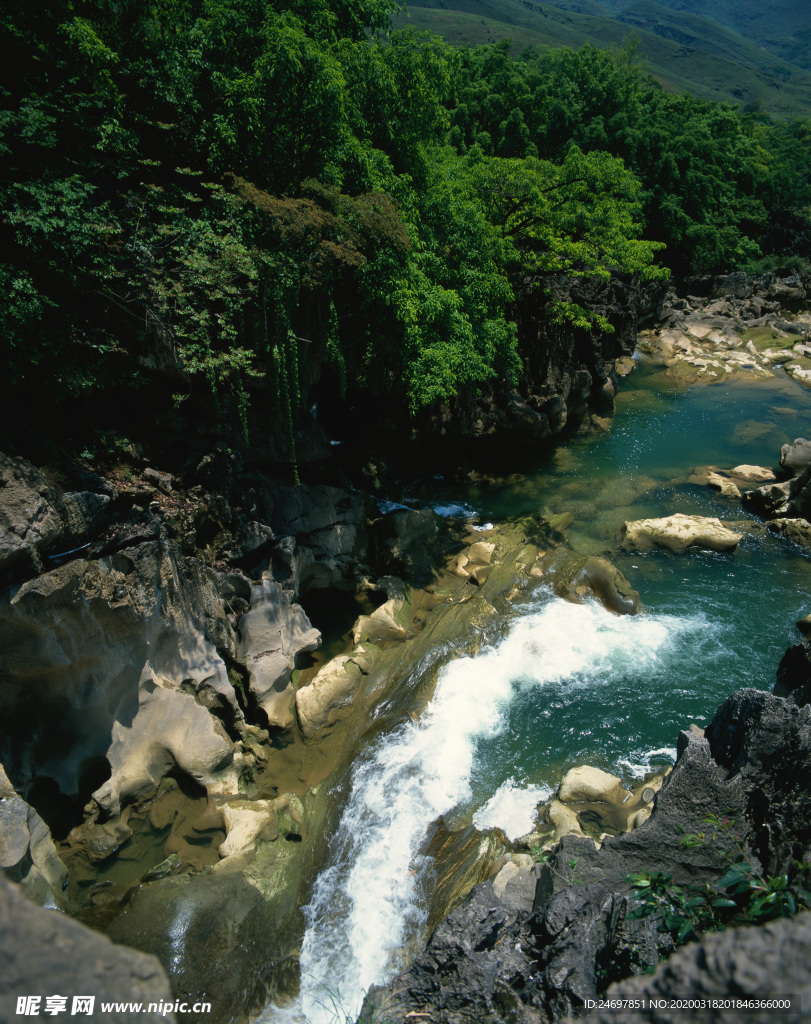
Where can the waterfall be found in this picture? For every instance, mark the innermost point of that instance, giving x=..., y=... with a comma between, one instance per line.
x=367, y=912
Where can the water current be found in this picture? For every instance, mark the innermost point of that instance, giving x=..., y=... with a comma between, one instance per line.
x=568, y=684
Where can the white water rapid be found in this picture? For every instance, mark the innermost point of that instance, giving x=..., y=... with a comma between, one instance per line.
x=367, y=913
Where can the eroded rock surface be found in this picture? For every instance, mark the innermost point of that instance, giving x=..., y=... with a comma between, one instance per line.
x=679, y=532
x=769, y=962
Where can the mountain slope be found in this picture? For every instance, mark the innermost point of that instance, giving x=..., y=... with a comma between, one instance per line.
x=781, y=26
x=683, y=50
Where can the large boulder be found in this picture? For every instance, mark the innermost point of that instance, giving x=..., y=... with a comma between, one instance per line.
x=576, y=577
x=769, y=500
x=114, y=663
x=272, y=635
x=332, y=690
x=679, y=532
x=47, y=954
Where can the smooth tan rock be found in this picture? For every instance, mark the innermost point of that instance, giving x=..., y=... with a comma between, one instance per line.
x=804, y=624
x=639, y=818
x=564, y=819
x=679, y=532
x=591, y=785
x=382, y=626
x=757, y=474
x=334, y=687
x=245, y=822
x=723, y=484
x=481, y=552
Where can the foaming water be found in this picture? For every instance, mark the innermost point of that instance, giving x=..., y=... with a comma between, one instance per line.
x=511, y=808
x=368, y=909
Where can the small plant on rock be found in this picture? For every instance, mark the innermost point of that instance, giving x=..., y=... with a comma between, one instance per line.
x=740, y=896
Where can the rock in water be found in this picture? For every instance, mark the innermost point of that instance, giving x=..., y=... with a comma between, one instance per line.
x=679, y=532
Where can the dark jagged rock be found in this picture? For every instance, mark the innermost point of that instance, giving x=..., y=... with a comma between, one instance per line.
x=769, y=962
x=794, y=674
x=567, y=371
x=491, y=963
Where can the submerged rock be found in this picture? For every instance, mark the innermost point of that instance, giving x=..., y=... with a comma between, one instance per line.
x=679, y=532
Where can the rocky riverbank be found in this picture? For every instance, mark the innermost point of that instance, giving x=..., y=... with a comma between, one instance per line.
x=194, y=650
x=537, y=950
x=734, y=327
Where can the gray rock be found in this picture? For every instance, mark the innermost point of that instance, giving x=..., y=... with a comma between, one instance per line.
x=45, y=953
x=27, y=852
x=29, y=519
x=120, y=654
x=272, y=634
x=798, y=531
x=764, y=742
x=795, y=457
x=769, y=500
x=769, y=962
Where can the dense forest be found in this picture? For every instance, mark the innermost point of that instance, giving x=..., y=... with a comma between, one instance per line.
x=239, y=189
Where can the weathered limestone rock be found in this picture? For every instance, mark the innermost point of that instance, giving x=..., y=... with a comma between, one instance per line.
x=586, y=785
x=769, y=500
x=798, y=531
x=757, y=474
x=727, y=487
x=43, y=952
x=118, y=654
x=320, y=703
x=564, y=819
x=481, y=552
x=273, y=633
x=679, y=532
x=577, y=577
x=249, y=820
x=27, y=852
x=35, y=516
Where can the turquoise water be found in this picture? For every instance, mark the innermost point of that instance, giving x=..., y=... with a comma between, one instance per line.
x=567, y=683
x=729, y=617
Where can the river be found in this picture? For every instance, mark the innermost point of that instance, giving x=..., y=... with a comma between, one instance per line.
x=568, y=684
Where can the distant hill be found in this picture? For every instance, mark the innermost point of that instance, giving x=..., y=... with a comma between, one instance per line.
x=780, y=26
x=715, y=57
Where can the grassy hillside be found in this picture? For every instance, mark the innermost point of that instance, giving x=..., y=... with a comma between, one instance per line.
x=781, y=26
x=686, y=52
